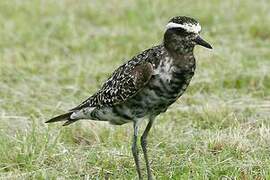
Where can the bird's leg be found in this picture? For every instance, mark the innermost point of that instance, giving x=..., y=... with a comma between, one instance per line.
x=144, y=145
x=135, y=149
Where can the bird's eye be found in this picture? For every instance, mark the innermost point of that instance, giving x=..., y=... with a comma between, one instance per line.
x=182, y=31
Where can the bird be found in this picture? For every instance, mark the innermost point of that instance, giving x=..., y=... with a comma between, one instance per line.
x=145, y=86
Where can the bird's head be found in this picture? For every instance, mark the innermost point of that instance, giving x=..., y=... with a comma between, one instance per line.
x=183, y=33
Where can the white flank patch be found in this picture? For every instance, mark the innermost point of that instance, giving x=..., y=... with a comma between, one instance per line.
x=194, y=28
x=164, y=69
x=82, y=114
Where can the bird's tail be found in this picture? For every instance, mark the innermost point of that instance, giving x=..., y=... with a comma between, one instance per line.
x=63, y=117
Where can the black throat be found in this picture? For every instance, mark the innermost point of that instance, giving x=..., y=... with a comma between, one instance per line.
x=177, y=42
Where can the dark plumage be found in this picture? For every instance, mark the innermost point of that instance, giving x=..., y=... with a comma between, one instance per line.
x=146, y=85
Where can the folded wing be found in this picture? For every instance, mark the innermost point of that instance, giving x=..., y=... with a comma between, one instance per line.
x=123, y=84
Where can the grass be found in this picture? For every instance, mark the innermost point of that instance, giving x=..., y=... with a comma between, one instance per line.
x=54, y=54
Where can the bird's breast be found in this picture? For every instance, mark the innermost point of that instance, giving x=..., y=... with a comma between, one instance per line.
x=167, y=84
x=171, y=78
x=163, y=89
x=170, y=81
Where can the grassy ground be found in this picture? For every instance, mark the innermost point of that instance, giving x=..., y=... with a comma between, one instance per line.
x=53, y=54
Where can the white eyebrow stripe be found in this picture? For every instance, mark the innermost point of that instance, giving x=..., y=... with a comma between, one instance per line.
x=194, y=28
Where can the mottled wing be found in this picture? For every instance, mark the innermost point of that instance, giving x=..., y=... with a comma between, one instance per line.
x=124, y=83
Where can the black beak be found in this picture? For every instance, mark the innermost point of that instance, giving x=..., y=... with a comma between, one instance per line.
x=202, y=42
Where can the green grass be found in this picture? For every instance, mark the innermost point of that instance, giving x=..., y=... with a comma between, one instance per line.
x=54, y=54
